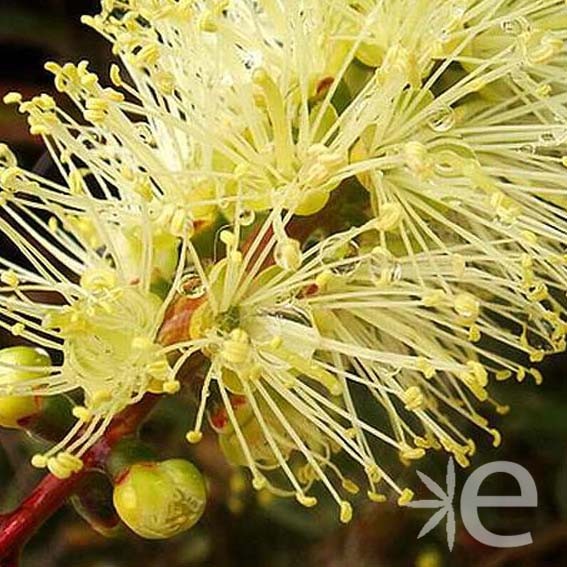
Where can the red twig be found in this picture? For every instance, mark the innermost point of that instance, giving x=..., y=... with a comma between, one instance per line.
x=48, y=496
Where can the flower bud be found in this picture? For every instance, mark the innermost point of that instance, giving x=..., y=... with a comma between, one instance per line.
x=16, y=408
x=160, y=500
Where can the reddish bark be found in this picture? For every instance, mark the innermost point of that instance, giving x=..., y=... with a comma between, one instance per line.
x=46, y=498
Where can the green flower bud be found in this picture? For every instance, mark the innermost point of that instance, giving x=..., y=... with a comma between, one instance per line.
x=160, y=500
x=16, y=408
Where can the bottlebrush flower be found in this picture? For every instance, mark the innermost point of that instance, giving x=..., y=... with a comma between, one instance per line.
x=430, y=168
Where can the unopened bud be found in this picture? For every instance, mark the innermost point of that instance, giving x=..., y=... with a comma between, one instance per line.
x=160, y=500
x=16, y=367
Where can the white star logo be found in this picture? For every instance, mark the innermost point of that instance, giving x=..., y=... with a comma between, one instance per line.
x=444, y=504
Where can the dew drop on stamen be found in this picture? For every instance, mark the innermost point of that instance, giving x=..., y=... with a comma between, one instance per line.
x=383, y=267
x=290, y=322
x=191, y=285
x=315, y=238
x=548, y=139
x=528, y=149
x=246, y=217
x=340, y=256
x=443, y=119
x=292, y=312
x=515, y=26
x=223, y=203
x=146, y=134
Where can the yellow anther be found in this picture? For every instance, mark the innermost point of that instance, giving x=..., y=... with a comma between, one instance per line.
x=12, y=98
x=497, y=437
x=373, y=472
x=476, y=378
x=171, y=386
x=39, y=461
x=502, y=410
x=537, y=375
x=405, y=497
x=346, y=512
x=376, y=497
x=411, y=453
x=307, y=501
x=64, y=465
x=462, y=460
x=10, y=278
x=115, y=75
x=350, y=486
x=194, y=437
x=502, y=375
x=82, y=413
x=537, y=355
x=413, y=398
x=179, y=222
x=96, y=110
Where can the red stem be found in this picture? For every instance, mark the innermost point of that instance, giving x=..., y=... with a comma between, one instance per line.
x=48, y=496
x=51, y=493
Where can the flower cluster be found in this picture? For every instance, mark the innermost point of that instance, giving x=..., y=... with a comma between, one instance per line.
x=351, y=213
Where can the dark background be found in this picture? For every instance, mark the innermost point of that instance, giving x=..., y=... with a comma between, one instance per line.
x=237, y=530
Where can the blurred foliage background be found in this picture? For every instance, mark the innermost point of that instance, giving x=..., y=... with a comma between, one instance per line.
x=242, y=529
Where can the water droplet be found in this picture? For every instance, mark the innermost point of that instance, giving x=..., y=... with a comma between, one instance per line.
x=247, y=217
x=191, y=285
x=315, y=238
x=146, y=134
x=383, y=266
x=443, y=119
x=515, y=26
x=340, y=255
x=528, y=149
x=447, y=164
x=291, y=312
x=292, y=323
x=548, y=139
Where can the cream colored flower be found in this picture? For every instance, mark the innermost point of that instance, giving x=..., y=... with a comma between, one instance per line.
x=426, y=142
